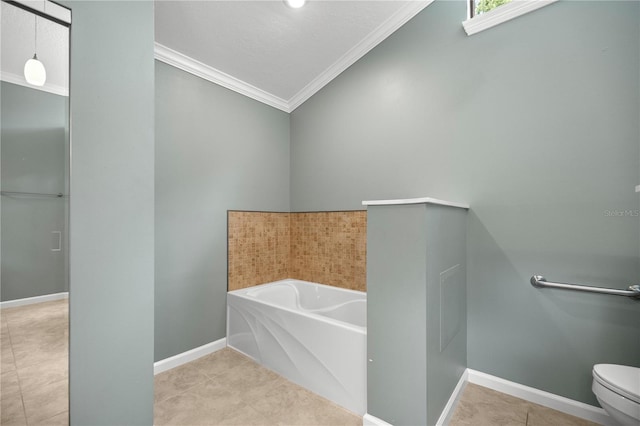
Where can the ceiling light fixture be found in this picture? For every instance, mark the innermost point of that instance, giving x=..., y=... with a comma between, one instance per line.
x=34, y=71
x=295, y=4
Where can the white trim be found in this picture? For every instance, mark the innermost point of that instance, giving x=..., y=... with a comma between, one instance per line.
x=188, y=356
x=556, y=402
x=637, y=188
x=503, y=14
x=192, y=66
x=447, y=411
x=384, y=30
x=181, y=61
x=369, y=420
x=450, y=407
x=424, y=200
x=33, y=300
x=20, y=81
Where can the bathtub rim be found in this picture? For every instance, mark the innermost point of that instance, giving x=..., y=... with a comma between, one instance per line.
x=242, y=293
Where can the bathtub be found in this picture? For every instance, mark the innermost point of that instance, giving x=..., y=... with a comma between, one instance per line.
x=312, y=334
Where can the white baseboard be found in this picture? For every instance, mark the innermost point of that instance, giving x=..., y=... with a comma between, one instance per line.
x=188, y=356
x=369, y=420
x=450, y=407
x=537, y=396
x=32, y=300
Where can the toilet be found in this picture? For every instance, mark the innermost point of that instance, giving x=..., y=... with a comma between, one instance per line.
x=617, y=388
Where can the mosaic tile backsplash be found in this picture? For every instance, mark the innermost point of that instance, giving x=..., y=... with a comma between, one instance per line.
x=258, y=250
x=324, y=247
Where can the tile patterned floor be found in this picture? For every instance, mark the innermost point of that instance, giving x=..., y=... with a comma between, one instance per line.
x=224, y=388
x=227, y=388
x=479, y=406
x=34, y=364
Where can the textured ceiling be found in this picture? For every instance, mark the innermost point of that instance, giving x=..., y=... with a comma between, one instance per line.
x=17, y=45
x=265, y=43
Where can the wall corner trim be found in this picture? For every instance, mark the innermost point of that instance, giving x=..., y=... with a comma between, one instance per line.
x=197, y=68
x=450, y=407
x=188, y=356
x=537, y=396
x=369, y=420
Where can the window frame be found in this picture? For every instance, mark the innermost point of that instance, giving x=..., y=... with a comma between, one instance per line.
x=477, y=23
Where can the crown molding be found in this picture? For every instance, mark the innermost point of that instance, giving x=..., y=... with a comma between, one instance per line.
x=197, y=68
x=20, y=81
x=384, y=30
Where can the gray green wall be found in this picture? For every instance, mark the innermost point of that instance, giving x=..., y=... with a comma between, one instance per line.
x=534, y=123
x=416, y=310
x=111, y=223
x=216, y=150
x=34, y=141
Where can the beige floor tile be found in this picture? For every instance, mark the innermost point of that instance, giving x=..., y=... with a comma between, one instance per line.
x=276, y=400
x=244, y=415
x=289, y=403
x=176, y=381
x=12, y=410
x=7, y=360
x=9, y=384
x=49, y=330
x=480, y=406
x=47, y=401
x=250, y=379
x=205, y=404
x=34, y=344
x=315, y=410
x=36, y=376
x=61, y=419
x=3, y=319
x=4, y=332
x=213, y=390
x=220, y=362
x=38, y=351
x=543, y=416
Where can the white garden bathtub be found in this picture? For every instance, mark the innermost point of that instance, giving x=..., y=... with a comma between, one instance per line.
x=312, y=334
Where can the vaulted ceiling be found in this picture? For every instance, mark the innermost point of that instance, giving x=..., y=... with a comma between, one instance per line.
x=282, y=54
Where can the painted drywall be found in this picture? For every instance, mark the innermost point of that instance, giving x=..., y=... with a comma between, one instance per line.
x=34, y=145
x=216, y=150
x=416, y=310
x=111, y=223
x=534, y=123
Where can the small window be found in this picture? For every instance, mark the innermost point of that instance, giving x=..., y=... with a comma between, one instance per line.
x=478, y=7
x=484, y=14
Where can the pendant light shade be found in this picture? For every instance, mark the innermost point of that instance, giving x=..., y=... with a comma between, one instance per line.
x=34, y=71
x=295, y=4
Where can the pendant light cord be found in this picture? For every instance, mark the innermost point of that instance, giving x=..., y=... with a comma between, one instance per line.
x=35, y=38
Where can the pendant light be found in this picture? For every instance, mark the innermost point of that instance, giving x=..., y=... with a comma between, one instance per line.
x=34, y=71
x=295, y=4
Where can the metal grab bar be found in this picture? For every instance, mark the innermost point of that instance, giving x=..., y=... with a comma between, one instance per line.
x=633, y=291
x=32, y=194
